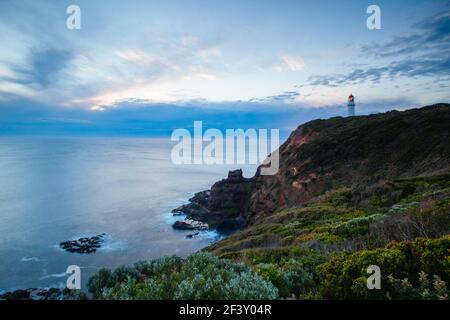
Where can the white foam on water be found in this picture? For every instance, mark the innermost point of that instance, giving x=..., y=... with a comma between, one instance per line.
x=212, y=235
x=54, y=275
x=29, y=259
x=108, y=245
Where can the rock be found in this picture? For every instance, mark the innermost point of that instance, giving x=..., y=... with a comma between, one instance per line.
x=16, y=295
x=235, y=175
x=190, y=225
x=33, y=294
x=83, y=245
x=197, y=204
x=222, y=206
x=46, y=294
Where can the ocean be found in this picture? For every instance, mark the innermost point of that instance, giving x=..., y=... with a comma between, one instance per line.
x=57, y=189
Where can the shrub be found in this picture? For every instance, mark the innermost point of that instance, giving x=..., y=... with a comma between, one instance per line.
x=200, y=276
x=429, y=223
x=250, y=286
x=294, y=275
x=102, y=279
x=427, y=290
x=344, y=276
x=328, y=238
x=298, y=277
x=274, y=274
x=356, y=226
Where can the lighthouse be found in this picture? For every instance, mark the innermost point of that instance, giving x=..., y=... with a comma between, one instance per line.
x=351, y=105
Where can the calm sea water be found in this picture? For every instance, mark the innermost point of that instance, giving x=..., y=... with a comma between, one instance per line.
x=56, y=189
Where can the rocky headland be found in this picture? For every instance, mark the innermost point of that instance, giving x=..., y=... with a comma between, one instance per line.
x=222, y=207
x=349, y=193
x=326, y=155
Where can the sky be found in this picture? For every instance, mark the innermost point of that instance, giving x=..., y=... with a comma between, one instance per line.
x=146, y=67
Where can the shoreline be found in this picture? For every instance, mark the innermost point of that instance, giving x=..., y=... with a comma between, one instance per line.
x=57, y=293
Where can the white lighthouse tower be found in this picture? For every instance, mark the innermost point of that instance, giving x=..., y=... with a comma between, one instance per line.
x=351, y=105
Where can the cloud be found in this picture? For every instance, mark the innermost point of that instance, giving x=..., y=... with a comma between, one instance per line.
x=202, y=49
x=97, y=78
x=200, y=72
x=41, y=59
x=210, y=52
x=116, y=58
x=423, y=53
x=290, y=63
x=431, y=34
x=135, y=56
x=12, y=90
x=45, y=64
x=284, y=97
x=414, y=67
x=190, y=41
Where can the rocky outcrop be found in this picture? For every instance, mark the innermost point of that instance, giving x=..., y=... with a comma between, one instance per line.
x=323, y=155
x=190, y=225
x=33, y=294
x=223, y=206
x=197, y=206
x=83, y=245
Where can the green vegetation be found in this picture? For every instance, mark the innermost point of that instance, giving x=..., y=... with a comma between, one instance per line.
x=200, y=276
x=318, y=251
x=355, y=227
x=350, y=193
x=344, y=276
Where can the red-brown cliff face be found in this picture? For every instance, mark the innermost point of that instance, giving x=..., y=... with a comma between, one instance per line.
x=323, y=155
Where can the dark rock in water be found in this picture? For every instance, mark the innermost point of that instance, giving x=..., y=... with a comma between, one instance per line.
x=197, y=205
x=33, y=294
x=83, y=245
x=16, y=295
x=192, y=235
x=190, y=225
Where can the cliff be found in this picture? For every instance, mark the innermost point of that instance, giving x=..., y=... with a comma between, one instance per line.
x=349, y=193
x=325, y=155
x=224, y=205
